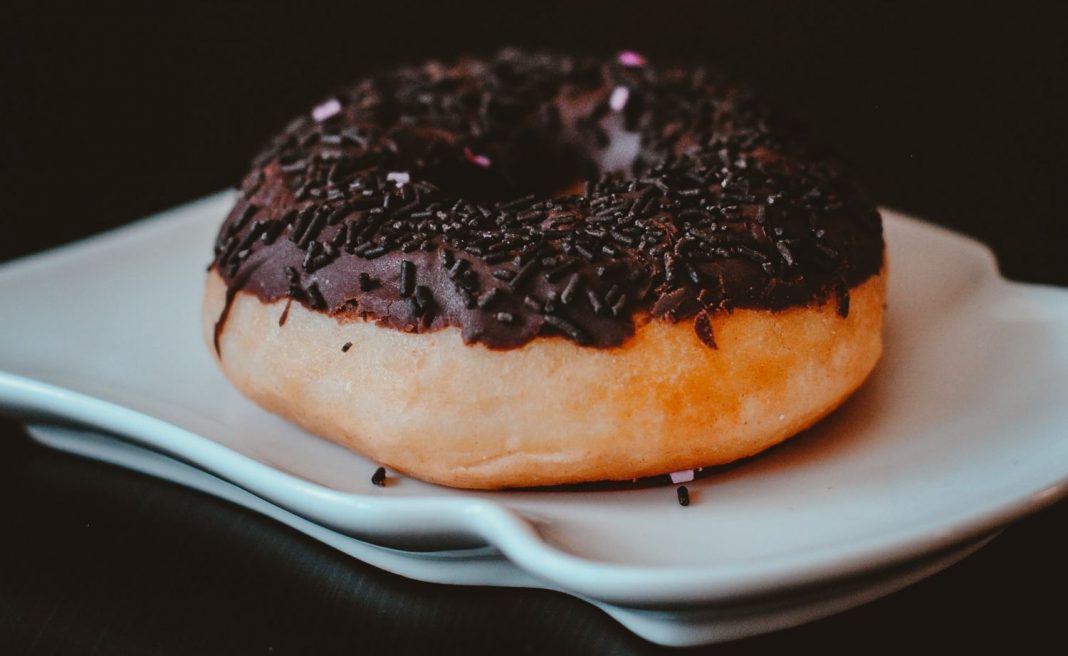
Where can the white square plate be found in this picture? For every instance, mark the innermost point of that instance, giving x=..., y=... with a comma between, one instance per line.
x=963, y=428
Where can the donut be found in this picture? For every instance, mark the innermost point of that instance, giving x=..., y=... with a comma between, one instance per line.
x=539, y=269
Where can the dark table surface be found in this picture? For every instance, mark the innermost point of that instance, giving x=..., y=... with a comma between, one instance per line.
x=954, y=112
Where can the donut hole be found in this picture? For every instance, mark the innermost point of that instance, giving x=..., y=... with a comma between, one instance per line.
x=534, y=162
x=531, y=164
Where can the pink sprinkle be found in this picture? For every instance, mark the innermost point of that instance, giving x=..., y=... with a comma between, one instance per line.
x=476, y=159
x=684, y=476
x=618, y=100
x=324, y=111
x=630, y=59
x=401, y=178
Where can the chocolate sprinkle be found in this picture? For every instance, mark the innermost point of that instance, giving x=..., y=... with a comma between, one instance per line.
x=366, y=282
x=285, y=313
x=568, y=328
x=378, y=479
x=702, y=325
x=683, y=495
x=715, y=208
x=407, y=278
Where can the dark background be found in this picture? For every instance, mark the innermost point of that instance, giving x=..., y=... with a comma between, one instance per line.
x=954, y=112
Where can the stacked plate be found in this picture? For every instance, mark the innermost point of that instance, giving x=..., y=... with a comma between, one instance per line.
x=962, y=429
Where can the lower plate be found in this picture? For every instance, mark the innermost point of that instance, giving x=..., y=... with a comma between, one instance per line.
x=684, y=626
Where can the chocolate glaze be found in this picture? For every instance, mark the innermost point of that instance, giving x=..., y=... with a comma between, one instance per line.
x=693, y=204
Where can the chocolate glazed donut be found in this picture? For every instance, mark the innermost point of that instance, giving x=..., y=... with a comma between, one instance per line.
x=533, y=196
